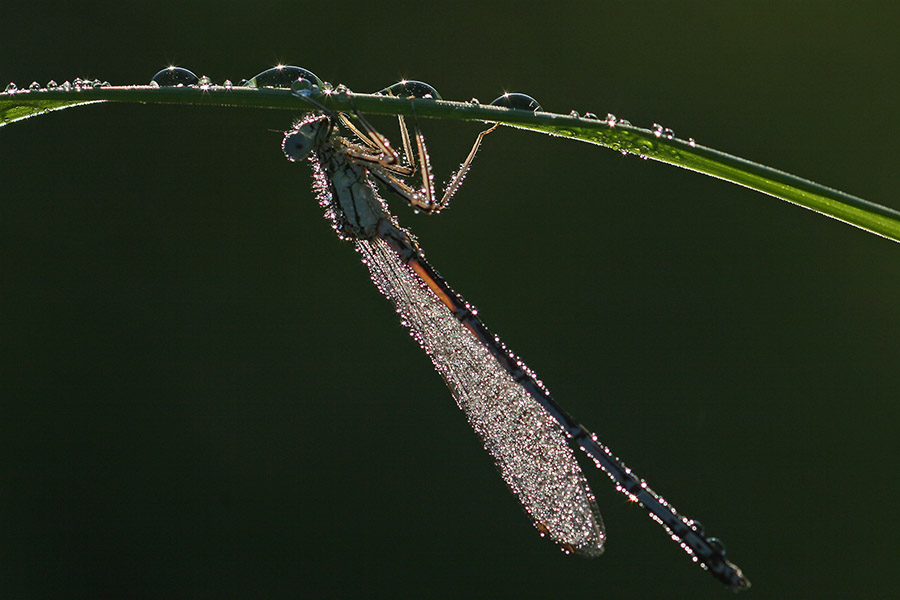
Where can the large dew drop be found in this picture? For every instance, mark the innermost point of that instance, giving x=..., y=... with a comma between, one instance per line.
x=174, y=77
x=411, y=89
x=517, y=101
x=282, y=76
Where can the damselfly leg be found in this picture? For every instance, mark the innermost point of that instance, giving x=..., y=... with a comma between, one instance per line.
x=376, y=150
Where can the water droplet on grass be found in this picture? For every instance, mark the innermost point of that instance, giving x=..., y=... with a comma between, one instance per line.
x=35, y=86
x=11, y=88
x=302, y=86
x=204, y=82
x=282, y=76
x=174, y=77
x=411, y=89
x=227, y=84
x=517, y=101
x=660, y=131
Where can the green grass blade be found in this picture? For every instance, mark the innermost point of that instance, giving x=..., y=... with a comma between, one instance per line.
x=622, y=137
x=12, y=111
x=830, y=202
x=25, y=104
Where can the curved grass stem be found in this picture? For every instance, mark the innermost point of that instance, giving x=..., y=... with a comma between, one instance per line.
x=619, y=136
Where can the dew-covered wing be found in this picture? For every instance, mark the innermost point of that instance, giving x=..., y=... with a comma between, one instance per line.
x=528, y=446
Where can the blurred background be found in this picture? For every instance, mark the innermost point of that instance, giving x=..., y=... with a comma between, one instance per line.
x=202, y=395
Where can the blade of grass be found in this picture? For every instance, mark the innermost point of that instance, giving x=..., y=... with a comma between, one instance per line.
x=621, y=137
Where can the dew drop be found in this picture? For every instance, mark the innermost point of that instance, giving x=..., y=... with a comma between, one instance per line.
x=65, y=86
x=574, y=113
x=406, y=88
x=302, y=86
x=11, y=88
x=611, y=119
x=474, y=102
x=657, y=130
x=227, y=84
x=35, y=86
x=591, y=116
x=174, y=77
x=668, y=133
x=52, y=85
x=697, y=527
x=517, y=101
x=77, y=84
x=691, y=142
x=204, y=82
x=283, y=76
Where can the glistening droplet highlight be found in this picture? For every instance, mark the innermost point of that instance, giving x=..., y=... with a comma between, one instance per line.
x=282, y=77
x=518, y=101
x=174, y=77
x=407, y=88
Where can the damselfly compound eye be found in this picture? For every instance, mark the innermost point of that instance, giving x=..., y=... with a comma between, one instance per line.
x=298, y=143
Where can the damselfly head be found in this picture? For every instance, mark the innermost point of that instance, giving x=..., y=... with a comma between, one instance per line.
x=299, y=141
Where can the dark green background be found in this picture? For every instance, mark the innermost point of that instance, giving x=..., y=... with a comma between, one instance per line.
x=203, y=396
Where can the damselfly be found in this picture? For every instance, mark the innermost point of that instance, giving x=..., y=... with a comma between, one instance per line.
x=526, y=432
